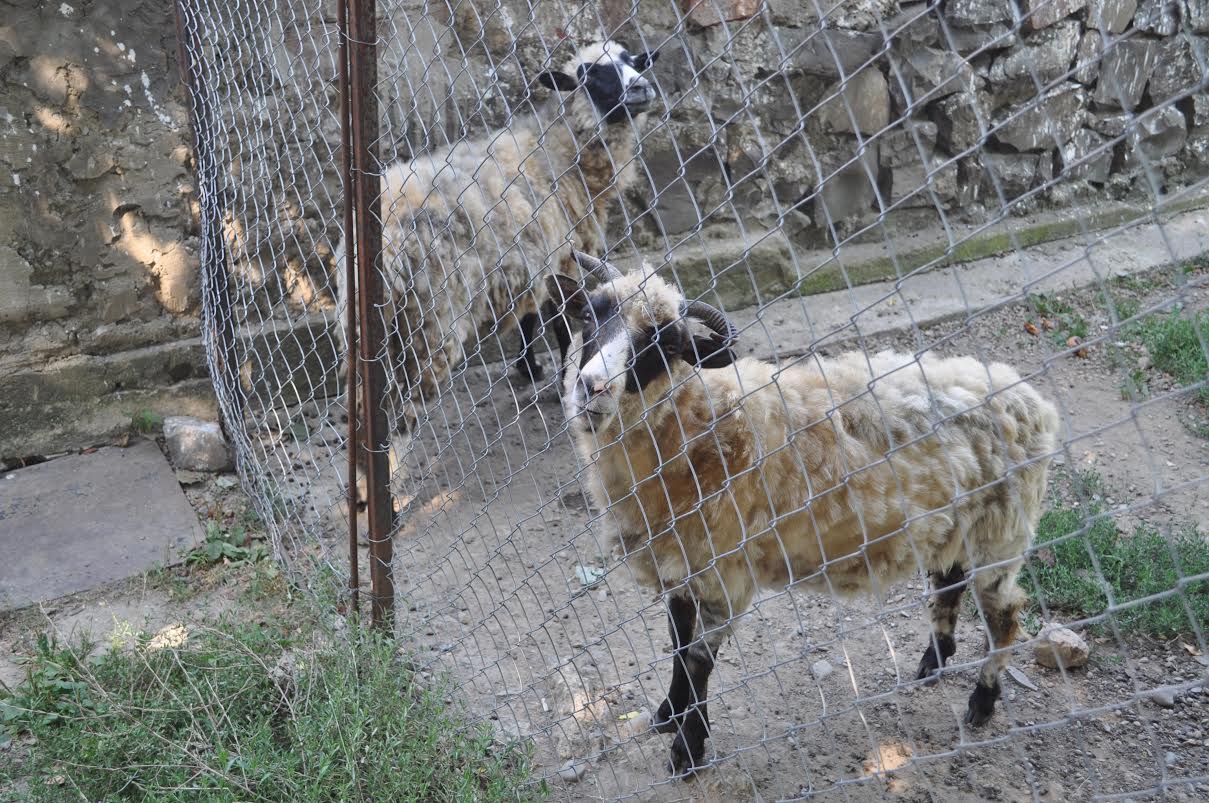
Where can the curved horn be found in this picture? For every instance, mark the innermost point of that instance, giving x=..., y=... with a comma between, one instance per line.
x=713, y=318
x=593, y=265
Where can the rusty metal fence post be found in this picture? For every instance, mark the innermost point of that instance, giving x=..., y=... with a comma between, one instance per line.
x=359, y=104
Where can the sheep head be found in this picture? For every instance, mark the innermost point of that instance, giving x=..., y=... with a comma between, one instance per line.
x=611, y=76
x=636, y=339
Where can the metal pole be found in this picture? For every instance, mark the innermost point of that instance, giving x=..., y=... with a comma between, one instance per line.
x=350, y=296
x=220, y=327
x=363, y=68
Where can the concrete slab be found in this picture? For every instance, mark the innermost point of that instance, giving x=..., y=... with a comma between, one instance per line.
x=71, y=524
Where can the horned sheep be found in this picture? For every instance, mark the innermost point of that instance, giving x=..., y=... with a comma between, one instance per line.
x=723, y=475
x=468, y=229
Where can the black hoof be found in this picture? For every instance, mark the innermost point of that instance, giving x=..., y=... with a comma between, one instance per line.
x=932, y=661
x=665, y=719
x=688, y=753
x=529, y=373
x=982, y=704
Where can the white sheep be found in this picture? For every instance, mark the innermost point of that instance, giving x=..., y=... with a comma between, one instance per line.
x=467, y=230
x=846, y=474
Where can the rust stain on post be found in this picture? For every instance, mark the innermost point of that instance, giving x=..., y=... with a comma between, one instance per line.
x=363, y=69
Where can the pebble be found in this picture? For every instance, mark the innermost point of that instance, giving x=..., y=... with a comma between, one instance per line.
x=1056, y=643
x=1171, y=759
x=573, y=770
x=1164, y=698
x=821, y=669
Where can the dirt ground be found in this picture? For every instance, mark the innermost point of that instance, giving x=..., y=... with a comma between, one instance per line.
x=507, y=583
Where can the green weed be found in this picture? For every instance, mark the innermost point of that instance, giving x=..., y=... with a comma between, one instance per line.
x=244, y=711
x=1082, y=558
x=146, y=422
x=232, y=545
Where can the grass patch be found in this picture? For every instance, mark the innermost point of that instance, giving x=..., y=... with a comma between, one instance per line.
x=244, y=711
x=1174, y=343
x=1059, y=318
x=1132, y=566
x=146, y=421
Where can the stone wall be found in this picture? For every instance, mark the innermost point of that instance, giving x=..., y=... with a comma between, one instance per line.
x=776, y=121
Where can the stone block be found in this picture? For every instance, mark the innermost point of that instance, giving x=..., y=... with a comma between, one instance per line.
x=1196, y=15
x=1124, y=72
x=1016, y=173
x=929, y=74
x=1155, y=136
x=901, y=145
x=1044, y=124
x=707, y=13
x=1110, y=16
x=1159, y=17
x=861, y=104
x=1086, y=157
x=1035, y=63
x=1177, y=71
x=957, y=120
x=196, y=445
x=1044, y=13
x=984, y=38
x=849, y=191
x=979, y=12
x=1087, y=59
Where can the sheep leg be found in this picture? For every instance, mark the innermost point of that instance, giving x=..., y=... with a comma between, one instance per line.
x=688, y=748
x=1000, y=600
x=681, y=622
x=528, y=369
x=562, y=333
x=949, y=587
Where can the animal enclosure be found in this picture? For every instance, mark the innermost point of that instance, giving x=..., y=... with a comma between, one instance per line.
x=1021, y=184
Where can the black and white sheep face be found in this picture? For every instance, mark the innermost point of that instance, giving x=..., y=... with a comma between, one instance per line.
x=611, y=76
x=634, y=330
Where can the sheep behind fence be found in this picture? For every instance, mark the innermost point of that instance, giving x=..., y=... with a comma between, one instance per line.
x=1022, y=183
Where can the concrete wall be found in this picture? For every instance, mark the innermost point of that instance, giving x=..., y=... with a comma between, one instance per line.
x=98, y=235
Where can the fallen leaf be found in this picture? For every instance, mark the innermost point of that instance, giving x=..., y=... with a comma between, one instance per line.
x=1048, y=325
x=1021, y=678
x=1190, y=649
x=628, y=716
x=1072, y=342
x=1031, y=328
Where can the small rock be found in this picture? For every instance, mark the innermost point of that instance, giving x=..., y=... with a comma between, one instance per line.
x=186, y=477
x=821, y=669
x=1124, y=71
x=196, y=445
x=1060, y=646
x=1171, y=759
x=573, y=770
x=1110, y=16
x=1163, y=698
x=1043, y=13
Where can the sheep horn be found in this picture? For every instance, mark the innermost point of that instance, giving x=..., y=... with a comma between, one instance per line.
x=593, y=265
x=713, y=318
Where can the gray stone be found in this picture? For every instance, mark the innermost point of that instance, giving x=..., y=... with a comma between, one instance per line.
x=1086, y=157
x=901, y=145
x=1110, y=16
x=1087, y=59
x=1200, y=109
x=929, y=74
x=984, y=38
x=1124, y=71
x=1044, y=124
x=1017, y=173
x=861, y=104
x=1163, y=698
x=1043, y=13
x=925, y=182
x=1196, y=15
x=979, y=12
x=1110, y=125
x=821, y=669
x=1058, y=646
x=20, y=298
x=1157, y=16
x=1171, y=759
x=715, y=12
x=851, y=190
x=1155, y=136
x=74, y=523
x=196, y=445
x=957, y=120
x=825, y=51
x=1177, y=71
x=1034, y=64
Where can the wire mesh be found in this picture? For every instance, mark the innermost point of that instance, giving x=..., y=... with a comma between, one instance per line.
x=1017, y=182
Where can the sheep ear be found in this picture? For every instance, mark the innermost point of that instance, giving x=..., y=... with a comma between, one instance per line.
x=709, y=352
x=565, y=290
x=643, y=61
x=558, y=81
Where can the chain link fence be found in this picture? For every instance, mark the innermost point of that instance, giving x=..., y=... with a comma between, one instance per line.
x=1018, y=182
